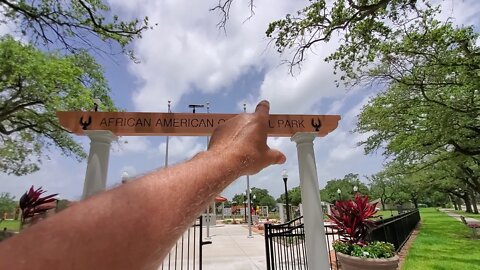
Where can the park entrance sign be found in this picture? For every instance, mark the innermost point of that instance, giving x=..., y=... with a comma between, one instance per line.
x=187, y=124
x=103, y=127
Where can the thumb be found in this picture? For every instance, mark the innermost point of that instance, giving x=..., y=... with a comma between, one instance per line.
x=276, y=157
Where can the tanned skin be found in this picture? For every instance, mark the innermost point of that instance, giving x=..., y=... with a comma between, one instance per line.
x=135, y=225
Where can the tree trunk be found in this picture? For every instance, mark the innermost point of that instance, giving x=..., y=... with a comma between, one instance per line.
x=453, y=201
x=474, y=201
x=459, y=203
x=415, y=202
x=468, y=204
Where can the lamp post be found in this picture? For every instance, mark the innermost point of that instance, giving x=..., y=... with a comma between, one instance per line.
x=285, y=178
x=339, y=192
x=245, y=207
x=355, y=190
x=252, y=205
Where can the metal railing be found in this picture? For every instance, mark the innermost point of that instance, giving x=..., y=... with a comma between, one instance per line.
x=186, y=254
x=395, y=230
x=285, y=245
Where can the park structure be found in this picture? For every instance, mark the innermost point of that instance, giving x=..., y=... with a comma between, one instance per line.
x=103, y=127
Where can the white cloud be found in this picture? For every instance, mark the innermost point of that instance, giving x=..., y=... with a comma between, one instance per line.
x=298, y=94
x=58, y=175
x=344, y=151
x=187, y=52
x=131, y=144
x=182, y=148
x=460, y=12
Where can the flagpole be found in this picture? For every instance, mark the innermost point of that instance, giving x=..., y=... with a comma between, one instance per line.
x=166, y=145
x=249, y=220
x=208, y=208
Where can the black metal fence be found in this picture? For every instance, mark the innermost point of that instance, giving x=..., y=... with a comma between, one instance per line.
x=186, y=254
x=285, y=245
x=286, y=249
x=395, y=230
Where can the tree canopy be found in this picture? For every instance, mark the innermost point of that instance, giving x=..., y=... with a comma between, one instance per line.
x=426, y=117
x=71, y=25
x=262, y=198
x=345, y=185
x=7, y=203
x=53, y=70
x=294, y=196
x=33, y=86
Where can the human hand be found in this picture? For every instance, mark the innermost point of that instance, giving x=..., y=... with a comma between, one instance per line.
x=242, y=141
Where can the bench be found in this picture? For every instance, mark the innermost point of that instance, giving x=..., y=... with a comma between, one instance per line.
x=472, y=225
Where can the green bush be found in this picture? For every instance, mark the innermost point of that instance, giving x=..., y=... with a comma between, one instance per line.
x=372, y=250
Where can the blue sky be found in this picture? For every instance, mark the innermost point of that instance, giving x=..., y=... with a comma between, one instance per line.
x=186, y=59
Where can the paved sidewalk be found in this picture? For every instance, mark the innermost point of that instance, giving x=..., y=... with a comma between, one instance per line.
x=457, y=216
x=232, y=249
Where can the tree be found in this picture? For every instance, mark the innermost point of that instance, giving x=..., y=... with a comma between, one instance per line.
x=362, y=26
x=383, y=187
x=72, y=25
x=429, y=108
x=345, y=185
x=262, y=198
x=432, y=102
x=33, y=86
x=294, y=196
x=7, y=203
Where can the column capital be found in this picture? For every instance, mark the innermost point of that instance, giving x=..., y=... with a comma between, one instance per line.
x=304, y=137
x=105, y=136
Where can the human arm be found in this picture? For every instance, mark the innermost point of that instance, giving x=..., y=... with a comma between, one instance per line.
x=134, y=226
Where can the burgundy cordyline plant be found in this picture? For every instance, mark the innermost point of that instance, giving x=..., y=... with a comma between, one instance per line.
x=33, y=205
x=352, y=219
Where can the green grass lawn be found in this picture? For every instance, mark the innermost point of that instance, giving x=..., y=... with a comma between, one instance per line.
x=387, y=213
x=11, y=225
x=443, y=243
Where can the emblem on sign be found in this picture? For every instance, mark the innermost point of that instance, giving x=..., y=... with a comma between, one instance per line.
x=316, y=125
x=86, y=123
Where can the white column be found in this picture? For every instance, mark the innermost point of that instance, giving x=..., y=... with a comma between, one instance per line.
x=97, y=167
x=317, y=252
x=281, y=212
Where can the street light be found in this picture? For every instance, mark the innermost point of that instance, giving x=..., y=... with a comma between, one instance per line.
x=252, y=205
x=355, y=190
x=245, y=206
x=339, y=192
x=285, y=178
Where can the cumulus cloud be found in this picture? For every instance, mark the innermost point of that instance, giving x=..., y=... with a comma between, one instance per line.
x=131, y=144
x=187, y=52
x=182, y=148
x=57, y=175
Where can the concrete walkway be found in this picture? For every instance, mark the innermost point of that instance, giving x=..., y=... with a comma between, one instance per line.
x=456, y=216
x=232, y=249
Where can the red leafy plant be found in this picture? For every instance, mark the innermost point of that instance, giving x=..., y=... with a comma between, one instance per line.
x=353, y=220
x=33, y=205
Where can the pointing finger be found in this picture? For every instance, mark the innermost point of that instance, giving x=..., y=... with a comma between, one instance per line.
x=263, y=108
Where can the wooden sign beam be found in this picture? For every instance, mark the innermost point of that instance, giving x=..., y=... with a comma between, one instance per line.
x=187, y=124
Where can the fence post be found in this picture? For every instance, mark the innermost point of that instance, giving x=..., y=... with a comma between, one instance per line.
x=267, y=248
